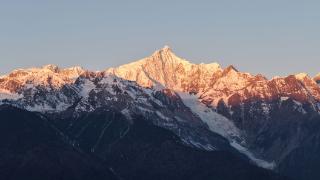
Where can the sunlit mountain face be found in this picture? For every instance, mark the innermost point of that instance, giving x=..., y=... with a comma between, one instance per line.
x=161, y=117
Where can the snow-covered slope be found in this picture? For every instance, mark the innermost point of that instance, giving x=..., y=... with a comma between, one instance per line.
x=216, y=122
x=223, y=126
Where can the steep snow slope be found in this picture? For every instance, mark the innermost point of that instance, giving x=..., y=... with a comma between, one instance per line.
x=223, y=126
x=215, y=121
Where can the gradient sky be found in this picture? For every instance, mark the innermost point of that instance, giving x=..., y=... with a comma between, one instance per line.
x=272, y=37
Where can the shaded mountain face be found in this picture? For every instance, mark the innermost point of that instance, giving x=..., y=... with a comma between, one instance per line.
x=289, y=134
x=306, y=154
x=144, y=151
x=35, y=147
x=34, y=150
x=109, y=147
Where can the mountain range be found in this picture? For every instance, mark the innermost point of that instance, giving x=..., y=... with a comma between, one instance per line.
x=161, y=117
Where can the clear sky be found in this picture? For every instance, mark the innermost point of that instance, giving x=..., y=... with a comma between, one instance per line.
x=272, y=37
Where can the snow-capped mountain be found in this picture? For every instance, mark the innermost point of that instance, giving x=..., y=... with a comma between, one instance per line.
x=106, y=145
x=208, y=107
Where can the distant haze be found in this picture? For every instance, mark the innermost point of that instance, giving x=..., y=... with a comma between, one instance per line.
x=275, y=37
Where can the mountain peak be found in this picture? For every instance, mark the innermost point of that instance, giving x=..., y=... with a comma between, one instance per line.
x=166, y=51
x=166, y=48
x=171, y=71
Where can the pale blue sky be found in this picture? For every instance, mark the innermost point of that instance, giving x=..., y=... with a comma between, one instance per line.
x=272, y=37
